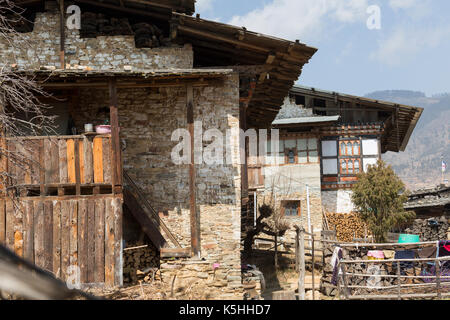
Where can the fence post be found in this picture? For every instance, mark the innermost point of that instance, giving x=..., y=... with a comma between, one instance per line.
x=312, y=253
x=438, y=279
x=276, y=251
x=297, y=257
x=344, y=278
x=301, y=280
x=398, y=281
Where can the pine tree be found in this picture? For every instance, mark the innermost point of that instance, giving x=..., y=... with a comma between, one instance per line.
x=379, y=196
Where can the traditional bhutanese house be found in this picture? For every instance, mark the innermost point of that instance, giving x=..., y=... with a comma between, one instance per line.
x=325, y=140
x=146, y=68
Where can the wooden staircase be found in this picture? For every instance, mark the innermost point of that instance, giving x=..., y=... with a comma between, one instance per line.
x=150, y=221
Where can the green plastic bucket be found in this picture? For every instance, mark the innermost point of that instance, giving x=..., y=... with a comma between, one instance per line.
x=408, y=238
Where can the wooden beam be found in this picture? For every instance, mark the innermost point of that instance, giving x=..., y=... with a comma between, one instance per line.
x=116, y=159
x=194, y=219
x=62, y=58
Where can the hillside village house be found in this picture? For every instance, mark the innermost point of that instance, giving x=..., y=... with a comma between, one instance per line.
x=325, y=140
x=146, y=68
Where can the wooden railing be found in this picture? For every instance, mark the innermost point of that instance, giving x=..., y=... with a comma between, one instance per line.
x=60, y=162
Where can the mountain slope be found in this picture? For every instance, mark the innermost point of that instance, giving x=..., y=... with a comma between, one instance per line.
x=420, y=165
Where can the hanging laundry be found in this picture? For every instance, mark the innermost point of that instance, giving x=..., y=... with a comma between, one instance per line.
x=404, y=255
x=389, y=254
x=337, y=255
x=427, y=253
x=375, y=255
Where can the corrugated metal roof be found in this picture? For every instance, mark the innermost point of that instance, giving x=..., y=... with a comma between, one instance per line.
x=305, y=120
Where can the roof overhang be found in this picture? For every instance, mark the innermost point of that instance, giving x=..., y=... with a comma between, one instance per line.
x=400, y=127
x=124, y=79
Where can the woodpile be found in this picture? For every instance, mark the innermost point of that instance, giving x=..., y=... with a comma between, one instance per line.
x=348, y=226
x=146, y=35
x=432, y=229
x=140, y=264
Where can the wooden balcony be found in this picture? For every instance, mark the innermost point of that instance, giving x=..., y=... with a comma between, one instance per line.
x=61, y=165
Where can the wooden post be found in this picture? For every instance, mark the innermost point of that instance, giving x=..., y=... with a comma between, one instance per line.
x=116, y=161
x=312, y=253
x=297, y=248
x=344, y=278
x=301, y=280
x=438, y=279
x=276, y=252
x=398, y=282
x=195, y=223
x=62, y=54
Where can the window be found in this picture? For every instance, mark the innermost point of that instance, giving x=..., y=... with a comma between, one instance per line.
x=290, y=208
x=290, y=155
x=294, y=151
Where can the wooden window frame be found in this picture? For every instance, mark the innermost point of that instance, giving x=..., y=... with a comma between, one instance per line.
x=284, y=204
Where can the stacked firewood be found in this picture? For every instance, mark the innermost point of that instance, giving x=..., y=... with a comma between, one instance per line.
x=140, y=263
x=147, y=35
x=98, y=24
x=431, y=229
x=348, y=226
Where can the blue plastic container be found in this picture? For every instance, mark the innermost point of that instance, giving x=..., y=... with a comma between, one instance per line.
x=408, y=238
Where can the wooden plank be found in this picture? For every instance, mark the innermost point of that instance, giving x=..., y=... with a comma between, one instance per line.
x=48, y=161
x=118, y=243
x=88, y=161
x=99, y=275
x=83, y=240
x=109, y=244
x=70, y=148
x=65, y=238
x=98, y=159
x=2, y=221
x=18, y=228
x=9, y=241
x=57, y=238
x=73, y=210
x=107, y=165
x=48, y=235
x=175, y=252
x=12, y=166
x=82, y=162
x=62, y=148
x=78, y=143
x=28, y=230
x=3, y=161
x=91, y=240
x=54, y=152
x=38, y=220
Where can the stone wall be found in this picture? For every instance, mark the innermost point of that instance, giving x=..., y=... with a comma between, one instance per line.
x=431, y=229
x=338, y=201
x=147, y=119
x=42, y=48
x=288, y=182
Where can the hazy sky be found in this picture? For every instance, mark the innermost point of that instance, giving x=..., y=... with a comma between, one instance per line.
x=411, y=50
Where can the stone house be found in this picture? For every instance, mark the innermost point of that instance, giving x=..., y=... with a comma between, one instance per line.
x=325, y=140
x=146, y=69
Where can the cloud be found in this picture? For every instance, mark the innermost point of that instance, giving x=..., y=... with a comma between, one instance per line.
x=202, y=6
x=403, y=44
x=294, y=19
x=402, y=4
x=416, y=9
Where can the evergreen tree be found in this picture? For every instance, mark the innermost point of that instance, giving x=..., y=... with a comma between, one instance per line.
x=379, y=196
